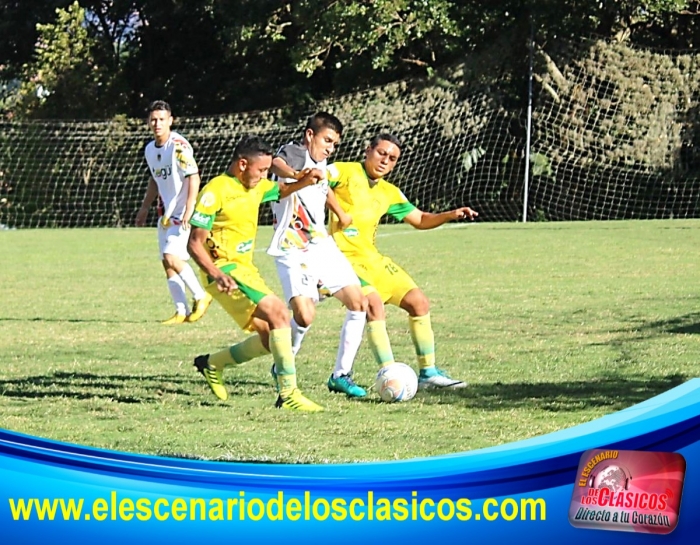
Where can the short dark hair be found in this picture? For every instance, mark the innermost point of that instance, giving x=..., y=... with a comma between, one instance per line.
x=157, y=105
x=251, y=146
x=388, y=137
x=324, y=120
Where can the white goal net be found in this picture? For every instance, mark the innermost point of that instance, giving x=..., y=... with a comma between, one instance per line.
x=614, y=136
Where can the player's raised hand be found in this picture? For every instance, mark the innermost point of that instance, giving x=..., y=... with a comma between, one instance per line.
x=299, y=175
x=317, y=174
x=226, y=284
x=464, y=213
x=313, y=175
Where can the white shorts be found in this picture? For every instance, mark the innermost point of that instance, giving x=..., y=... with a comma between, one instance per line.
x=302, y=272
x=173, y=240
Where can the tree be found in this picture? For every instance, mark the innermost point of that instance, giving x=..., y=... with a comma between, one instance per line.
x=217, y=56
x=64, y=80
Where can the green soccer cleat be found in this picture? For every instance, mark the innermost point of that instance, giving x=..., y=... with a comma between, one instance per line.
x=432, y=377
x=214, y=378
x=345, y=385
x=297, y=402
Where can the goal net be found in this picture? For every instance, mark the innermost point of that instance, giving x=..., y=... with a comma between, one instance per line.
x=615, y=133
x=613, y=137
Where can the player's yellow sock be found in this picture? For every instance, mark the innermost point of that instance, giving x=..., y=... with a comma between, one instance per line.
x=238, y=353
x=219, y=360
x=379, y=342
x=281, y=348
x=248, y=349
x=423, y=340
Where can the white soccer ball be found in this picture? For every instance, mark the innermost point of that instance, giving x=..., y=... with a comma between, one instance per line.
x=396, y=382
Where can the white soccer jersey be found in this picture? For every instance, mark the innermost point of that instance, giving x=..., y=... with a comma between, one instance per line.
x=170, y=164
x=299, y=219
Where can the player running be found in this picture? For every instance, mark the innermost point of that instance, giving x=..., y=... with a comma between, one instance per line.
x=224, y=225
x=364, y=194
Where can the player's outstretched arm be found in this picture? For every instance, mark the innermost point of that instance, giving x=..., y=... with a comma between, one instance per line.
x=148, y=198
x=426, y=220
x=195, y=246
x=344, y=219
x=307, y=177
x=192, y=182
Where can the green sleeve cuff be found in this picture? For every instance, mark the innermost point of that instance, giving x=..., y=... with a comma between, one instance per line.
x=400, y=211
x=272, y=194
x=204, y=221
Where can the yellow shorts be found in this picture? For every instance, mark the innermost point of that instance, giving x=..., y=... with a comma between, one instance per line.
x=385, y=277
x=241, y=304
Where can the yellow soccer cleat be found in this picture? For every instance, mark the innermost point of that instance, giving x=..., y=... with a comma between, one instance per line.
x=199, y=307
x=175, y=319
x=297, y=402
x=214, y=378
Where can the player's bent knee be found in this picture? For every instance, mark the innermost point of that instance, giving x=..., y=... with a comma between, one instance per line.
x=273, y=311
x=173, y=262
x=359, y=305
x=353, y=298
x=375, y=308
x=304, y=311
x=416, y=303
x=304, y=319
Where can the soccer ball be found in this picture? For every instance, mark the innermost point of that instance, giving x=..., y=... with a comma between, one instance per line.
x=396, y=382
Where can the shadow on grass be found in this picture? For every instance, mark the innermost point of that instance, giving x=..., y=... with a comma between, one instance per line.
x=118, y=388
x=688, y=324
x=615, y=393
x=76, y=320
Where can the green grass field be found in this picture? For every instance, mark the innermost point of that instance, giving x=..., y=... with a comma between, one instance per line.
x=552, y=324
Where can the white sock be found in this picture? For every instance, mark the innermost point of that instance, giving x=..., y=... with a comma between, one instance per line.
x=350, y=340
x=298, y=333
x=190, y=279
x=178, y=294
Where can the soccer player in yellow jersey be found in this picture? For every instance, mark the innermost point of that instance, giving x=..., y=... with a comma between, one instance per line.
x=224, y=225
x=364, y=194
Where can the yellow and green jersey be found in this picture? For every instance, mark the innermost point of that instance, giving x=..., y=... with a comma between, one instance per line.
x=366, y=201
x=230, y=212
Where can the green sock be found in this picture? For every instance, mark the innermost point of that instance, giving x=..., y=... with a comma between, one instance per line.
x=379, y=342
x=281, y=348
x=423, y=340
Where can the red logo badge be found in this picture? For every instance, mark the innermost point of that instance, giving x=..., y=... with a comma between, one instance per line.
x=628, y=491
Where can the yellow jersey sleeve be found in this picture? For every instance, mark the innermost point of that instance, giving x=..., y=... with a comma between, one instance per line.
x=398, y=205
x=208, y=204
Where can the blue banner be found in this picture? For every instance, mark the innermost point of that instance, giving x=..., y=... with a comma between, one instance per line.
x=52, y=492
